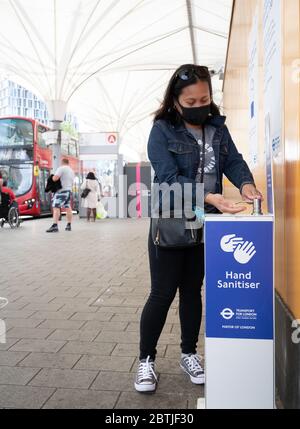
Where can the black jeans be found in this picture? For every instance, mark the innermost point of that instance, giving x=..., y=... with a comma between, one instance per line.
x=171, y=269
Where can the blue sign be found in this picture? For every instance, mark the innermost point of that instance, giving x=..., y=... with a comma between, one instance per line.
x=252, y=109
x=239, y=279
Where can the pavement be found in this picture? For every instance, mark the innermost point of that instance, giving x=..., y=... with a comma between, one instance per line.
x=72, y=321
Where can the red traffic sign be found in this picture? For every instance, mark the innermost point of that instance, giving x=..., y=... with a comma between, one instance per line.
x=111, y=138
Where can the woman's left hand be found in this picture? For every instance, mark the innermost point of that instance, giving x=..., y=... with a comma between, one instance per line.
x=249, y=193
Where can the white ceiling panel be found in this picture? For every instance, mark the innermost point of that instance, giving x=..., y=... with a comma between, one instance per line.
x=110, y=59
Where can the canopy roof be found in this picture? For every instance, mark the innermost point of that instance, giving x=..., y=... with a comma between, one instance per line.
x=110, y=60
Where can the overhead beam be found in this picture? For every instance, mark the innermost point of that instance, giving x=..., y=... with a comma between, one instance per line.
x=191, y=30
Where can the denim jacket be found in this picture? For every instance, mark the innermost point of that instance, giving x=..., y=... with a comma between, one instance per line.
x=175, y=155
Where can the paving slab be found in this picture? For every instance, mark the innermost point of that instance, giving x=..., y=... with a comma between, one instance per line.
x=72, y=337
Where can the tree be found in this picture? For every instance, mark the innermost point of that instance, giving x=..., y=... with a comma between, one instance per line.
x=67, y=127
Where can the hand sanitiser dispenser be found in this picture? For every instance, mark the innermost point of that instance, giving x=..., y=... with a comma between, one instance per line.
x=239, y=300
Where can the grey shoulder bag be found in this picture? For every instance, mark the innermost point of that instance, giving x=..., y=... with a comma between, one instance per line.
x=178, y=232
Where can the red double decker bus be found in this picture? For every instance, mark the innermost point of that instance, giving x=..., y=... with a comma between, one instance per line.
x=26, y=162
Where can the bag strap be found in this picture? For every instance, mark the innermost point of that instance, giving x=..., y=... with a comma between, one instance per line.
x=202, y=155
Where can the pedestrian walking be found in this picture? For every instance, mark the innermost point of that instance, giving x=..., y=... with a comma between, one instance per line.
x=91, y=188
x=63, y=197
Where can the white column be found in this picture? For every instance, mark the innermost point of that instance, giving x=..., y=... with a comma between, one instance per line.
x=57, y=110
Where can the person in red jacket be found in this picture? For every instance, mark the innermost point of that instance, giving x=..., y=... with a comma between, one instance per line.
x=8, y=191
x=1, y=183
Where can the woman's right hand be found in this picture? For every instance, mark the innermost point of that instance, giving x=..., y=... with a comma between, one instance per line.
x=222, y=204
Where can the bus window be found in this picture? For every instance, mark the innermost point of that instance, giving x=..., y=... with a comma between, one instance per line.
x=64, y=147
x=18, y=176
x=9, y=154
x=14, y=132
x=73, y=148
x=45, y=198
x=41, y=140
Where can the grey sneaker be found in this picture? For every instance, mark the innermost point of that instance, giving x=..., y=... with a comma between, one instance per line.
x=191, y=364
x=146, y=379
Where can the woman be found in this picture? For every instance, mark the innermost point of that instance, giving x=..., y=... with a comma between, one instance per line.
x=186, y=115
x=90, y=202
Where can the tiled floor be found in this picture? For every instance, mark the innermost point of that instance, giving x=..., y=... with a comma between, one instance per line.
x=72, y=320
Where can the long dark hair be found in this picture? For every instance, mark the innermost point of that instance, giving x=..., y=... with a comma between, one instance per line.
x=91, y=176
x=167, y=110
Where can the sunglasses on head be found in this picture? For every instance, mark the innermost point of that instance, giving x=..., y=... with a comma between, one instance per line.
x=189, y=73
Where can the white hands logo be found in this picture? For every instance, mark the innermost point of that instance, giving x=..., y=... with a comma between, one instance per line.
x=243, y=251
x=229, y=242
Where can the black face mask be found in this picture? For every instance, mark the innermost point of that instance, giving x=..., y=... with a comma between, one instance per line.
x=195, y=115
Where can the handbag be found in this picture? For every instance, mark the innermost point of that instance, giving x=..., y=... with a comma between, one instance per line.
x=85, y=192
x=176, y=232
x=179, y=232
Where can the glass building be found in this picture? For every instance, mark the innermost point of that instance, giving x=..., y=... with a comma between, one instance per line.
x=18, y=101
